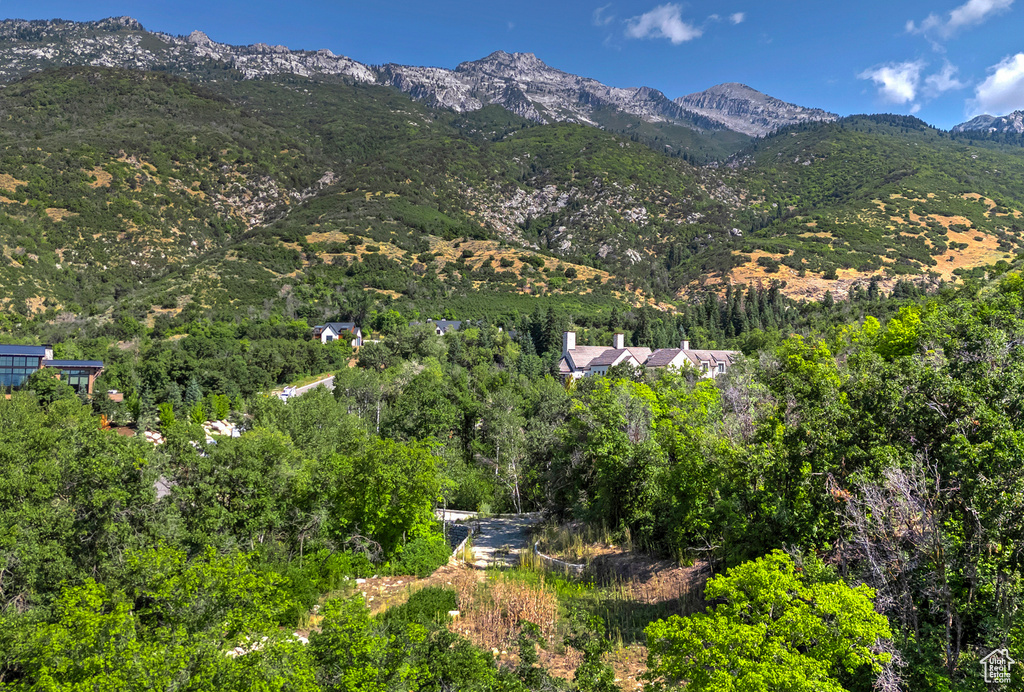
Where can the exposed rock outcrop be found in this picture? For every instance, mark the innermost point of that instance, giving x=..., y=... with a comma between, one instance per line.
x=1013, y=123
x=520, y=82
x=740, y=108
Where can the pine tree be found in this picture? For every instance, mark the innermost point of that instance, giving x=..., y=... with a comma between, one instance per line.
x=173, y=395
x=193, y=393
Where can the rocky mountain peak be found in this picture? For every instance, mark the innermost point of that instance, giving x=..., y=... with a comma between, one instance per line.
x=508, y=64
x=199, y=38
x=115, y=23
x=747, y=110
x=520, y=82
x=1013, y=123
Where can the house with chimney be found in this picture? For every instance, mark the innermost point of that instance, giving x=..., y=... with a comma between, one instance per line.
x=708, y=363
x=585, y=361
x=18, y=362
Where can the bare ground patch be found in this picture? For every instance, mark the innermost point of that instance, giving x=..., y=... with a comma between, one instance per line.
x=10, y=183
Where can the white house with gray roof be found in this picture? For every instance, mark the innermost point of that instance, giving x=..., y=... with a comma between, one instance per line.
x=708, y=363
x=585, y=361
x=333, y=331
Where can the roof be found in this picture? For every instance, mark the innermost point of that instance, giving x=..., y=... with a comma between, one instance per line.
x=341, y=326
x=583, y=355
x=445, y=325
x=641, y=353
x=662, y=357
x=708, y=356
x=11, y=350
x=609, y=357
x=73, y=363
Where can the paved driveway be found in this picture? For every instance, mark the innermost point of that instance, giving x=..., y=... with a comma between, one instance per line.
x=501, y=539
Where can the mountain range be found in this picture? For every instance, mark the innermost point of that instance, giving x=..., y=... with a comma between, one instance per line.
x=519, y=82
x=160, y=174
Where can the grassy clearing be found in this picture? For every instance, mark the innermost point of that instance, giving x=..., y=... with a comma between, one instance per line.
x=493, y=609
x=627, y=606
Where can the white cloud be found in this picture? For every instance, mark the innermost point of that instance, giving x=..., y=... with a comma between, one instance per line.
x=1003, y=91
x=971, y=13
x=600, y=18
x=897, y=82
x=941, y=82
x=664, y=21
x=738, y=17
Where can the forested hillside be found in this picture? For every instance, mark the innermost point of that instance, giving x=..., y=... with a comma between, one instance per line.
x=841, y=509
x=885, y=195
x=879, y=449
x=154, y=193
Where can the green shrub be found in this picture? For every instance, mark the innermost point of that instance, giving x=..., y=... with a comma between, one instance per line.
x=318, y=573
x=421, y=556
x=198, y=413
x=429, y=605
x=166, y=415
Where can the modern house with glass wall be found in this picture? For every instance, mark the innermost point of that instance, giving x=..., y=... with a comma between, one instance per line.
x=18, y=362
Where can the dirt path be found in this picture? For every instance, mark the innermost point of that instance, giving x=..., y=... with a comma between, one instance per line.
x=501, y=539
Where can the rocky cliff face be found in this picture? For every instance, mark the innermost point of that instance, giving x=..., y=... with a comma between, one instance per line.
x=1013, y=123
x=519, y=82
x=528, y=87
x=29, y=46
x=740, y=108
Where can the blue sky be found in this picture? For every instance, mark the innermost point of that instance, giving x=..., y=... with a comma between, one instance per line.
x=942, y=60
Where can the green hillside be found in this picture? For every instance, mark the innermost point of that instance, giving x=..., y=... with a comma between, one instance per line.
x=112, y=179
x=885, y=195
x=151, y=193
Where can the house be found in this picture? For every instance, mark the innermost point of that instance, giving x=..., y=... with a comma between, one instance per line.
x=332, y=331
x=18, y=362
x=709, y=363
x=442, y=327
x=585, y=361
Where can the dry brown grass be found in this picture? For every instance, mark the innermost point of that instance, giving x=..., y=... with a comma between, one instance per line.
x=9, y=182
x=59, y=214
x=103, y=179
x=492, y=611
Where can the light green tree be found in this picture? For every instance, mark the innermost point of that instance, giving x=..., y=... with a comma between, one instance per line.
x=772, y=631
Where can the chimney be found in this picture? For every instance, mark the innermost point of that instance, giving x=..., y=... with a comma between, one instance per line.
x=685, y=345
x=619, y=342
x=47, y=352
x=568, y=342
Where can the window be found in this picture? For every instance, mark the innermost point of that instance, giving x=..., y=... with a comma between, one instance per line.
x=329, y=339
x=78, y=379
x=721, y=367
x=704, y=366
x=14, y=370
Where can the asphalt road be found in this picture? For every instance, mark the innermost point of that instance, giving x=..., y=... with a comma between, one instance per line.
x=326, y=382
